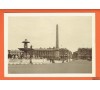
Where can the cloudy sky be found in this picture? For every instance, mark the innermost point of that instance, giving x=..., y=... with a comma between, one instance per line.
x=74, y=31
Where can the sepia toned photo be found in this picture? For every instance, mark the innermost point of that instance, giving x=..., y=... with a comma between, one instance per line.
x=49, y=44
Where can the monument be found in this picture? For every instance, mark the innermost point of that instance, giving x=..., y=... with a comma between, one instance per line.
x=25, y=43
x=26, y=49
x=57, y=57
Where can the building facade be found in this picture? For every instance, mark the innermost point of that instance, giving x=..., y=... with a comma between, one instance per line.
x=48, y=53
x=83, y=53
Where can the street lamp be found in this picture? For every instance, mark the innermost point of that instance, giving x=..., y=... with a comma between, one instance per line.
x=31, y=54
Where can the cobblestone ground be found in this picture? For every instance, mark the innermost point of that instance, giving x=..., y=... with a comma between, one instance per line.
x=79, y=66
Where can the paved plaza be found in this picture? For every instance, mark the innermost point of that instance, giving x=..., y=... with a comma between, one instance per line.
x=78, y=66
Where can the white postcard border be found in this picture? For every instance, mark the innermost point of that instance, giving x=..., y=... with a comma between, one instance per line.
x=6, y=15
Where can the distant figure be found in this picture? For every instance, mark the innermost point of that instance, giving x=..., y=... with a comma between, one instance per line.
x=13, y=56
x=16, y=56
x=63, y=61
x=31, y=56
x=9, y=56
x=21, y=57
x=52, y=60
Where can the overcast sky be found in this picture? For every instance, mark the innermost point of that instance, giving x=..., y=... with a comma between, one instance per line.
x=74, y=31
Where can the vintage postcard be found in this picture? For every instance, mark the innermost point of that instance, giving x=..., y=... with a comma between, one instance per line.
x=49, y=45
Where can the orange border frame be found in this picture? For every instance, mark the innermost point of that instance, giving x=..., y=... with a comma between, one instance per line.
x=2, y=11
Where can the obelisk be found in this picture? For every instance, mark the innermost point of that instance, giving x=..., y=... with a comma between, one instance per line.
x=57, y=37
x=57, y=43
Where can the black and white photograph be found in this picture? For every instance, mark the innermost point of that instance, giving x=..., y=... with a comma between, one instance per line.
x=49, y=44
